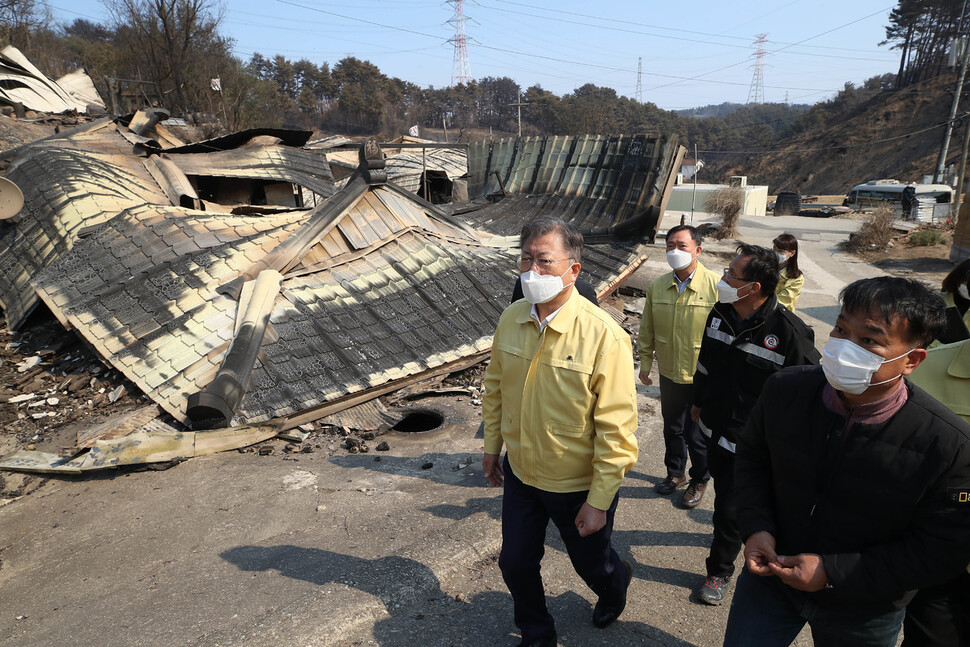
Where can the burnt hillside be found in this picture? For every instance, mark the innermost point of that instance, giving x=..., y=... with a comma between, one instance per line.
x=890, y=135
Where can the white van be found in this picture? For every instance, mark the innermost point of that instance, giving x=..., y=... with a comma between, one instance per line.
x=877, y=193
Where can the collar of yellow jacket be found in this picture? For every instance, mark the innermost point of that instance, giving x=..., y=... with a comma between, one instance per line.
x=960, y=364
x=563, y=321
x=698, y=271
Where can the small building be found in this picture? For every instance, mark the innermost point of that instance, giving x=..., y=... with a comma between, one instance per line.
x=755, y=197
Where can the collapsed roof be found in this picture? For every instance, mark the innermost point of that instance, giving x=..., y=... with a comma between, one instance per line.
x=21, y=82
x=420, y=166
x=239, y=285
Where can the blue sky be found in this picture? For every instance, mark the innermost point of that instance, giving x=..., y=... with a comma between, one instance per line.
x=694, y=53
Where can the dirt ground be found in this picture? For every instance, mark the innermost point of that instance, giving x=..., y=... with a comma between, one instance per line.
x=929, y=263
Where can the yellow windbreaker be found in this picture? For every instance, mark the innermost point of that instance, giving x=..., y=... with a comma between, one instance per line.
x=789, y=290
x=945, y=374
x=672, y=324
x=563, y=401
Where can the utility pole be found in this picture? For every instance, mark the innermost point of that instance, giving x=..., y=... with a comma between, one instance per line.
x=941, y=163
x=963, y=168
x=519, y=104
x=694, y=192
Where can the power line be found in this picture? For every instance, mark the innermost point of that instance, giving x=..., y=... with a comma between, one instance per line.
x=727, y=67
x=830, y=148
x=361, y=20
x=680, y=79
x=649, y=26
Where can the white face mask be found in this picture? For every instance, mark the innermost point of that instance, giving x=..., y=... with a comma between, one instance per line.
x=539, y=288
x=962, y=291
x=848, y=367
x=782, y=258
x=678, y=259
x=728, y=294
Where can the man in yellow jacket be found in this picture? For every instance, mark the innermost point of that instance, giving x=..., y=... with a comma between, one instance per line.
x=560, y=396
x=938, y=614
x=672, y=327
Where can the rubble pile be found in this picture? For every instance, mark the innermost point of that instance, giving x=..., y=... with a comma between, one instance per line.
x=48, y=380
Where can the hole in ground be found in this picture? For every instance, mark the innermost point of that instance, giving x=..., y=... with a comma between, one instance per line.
x=419, y=420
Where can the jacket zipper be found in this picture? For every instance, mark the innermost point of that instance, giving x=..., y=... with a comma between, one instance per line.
x=530, y=380
x=837, y=460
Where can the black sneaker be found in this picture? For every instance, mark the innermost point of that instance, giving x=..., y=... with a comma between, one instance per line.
x=669, y=484
x=712, y=591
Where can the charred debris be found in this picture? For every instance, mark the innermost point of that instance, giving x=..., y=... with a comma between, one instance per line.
x=259, y=285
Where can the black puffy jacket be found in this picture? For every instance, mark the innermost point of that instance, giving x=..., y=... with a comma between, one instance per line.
x=885, y=505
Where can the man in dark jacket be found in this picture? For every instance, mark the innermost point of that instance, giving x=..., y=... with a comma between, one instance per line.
x=852, y=483
x=748, y=337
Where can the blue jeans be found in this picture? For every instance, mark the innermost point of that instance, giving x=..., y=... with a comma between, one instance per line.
x=766, y=612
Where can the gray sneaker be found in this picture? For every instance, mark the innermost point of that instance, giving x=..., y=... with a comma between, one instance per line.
x=712, y=591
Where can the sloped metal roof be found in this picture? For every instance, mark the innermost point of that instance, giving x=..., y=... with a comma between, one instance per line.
x=389, y=289
x=78, y=182
x=595, y=181
x=247, y=317
x=66, y=189
x=404, y=166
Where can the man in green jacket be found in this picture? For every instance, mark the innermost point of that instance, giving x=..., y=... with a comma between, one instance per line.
x=672, y=327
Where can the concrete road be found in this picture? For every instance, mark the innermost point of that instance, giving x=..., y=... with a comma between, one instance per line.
x=329, y=548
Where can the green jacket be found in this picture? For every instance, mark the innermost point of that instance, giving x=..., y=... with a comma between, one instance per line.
x=672, y=326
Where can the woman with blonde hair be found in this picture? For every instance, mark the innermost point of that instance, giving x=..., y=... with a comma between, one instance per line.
x=790, y=279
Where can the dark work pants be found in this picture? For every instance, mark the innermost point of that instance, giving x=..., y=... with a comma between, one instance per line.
x=526, y=512
x=682, y=436
x=727, y=535
x=939, y=616
x=767, y=613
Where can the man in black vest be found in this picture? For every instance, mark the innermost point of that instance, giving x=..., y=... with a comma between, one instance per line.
x=851, y=482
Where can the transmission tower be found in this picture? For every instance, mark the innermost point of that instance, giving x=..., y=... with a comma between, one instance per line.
x=460, y=70
x=757, y=92
x=639, y=79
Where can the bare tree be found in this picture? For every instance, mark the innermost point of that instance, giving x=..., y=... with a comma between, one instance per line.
x=19, y=19
x=726, y=203
x=173, y=41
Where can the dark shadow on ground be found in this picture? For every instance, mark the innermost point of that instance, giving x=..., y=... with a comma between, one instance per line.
x=492, y=506
x=485, y=620
x=626, y=538
x=396, y=581
x=927, y=264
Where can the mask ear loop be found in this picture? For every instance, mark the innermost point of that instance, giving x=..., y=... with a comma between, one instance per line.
x=886, y=361
x=567, y=272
